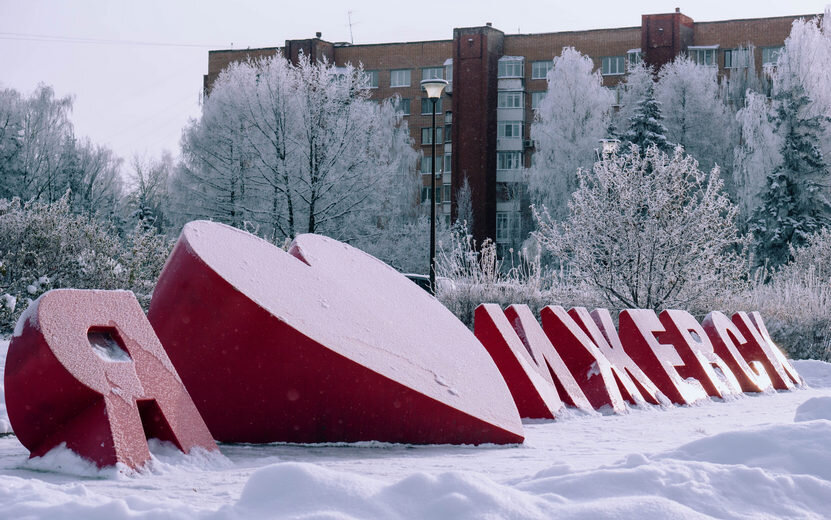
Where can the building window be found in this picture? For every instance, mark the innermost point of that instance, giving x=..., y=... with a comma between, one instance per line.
x=615, y=91
x=447, y=162
x=509, y=129
x=634, y=57
x=508, y=160
x=736, y=58
x=402, y=105
x=448, y=70
x=427, y=106
x=438, y=194
x=509, y=99
x=539, y=69
x=503, y=226
x=371, y=78
x=703, y=55
x=432, y=73
x=400, y=78
x=770, y=55
x=511, y=67
x=446, y=188
x=447, y=133
x=427, y=164
x=427, y=135
x=612, y=65
x=425, y=193
x=536, y=99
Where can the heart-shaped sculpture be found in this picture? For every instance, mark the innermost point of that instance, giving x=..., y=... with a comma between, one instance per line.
x=321, y=344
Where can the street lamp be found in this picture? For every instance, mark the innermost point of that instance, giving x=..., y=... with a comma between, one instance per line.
x=434, y=88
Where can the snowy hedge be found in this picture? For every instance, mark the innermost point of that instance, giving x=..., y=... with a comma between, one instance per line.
x=45, y=246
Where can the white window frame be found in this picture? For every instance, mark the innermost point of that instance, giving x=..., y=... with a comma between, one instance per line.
x=536, y=99
x=448, y=70
x=448, y=161
x=633, y=57
x=511, y=67
x=539, y=69
x=400, y=106
x=398, y=77
x=503, y=226
x=510, y=160
x=770, y=55
x=700, y=53
x=427, y=135
x=427, y=104
x=432, y=73
x=425, y=165
x=737, y=58
x=510, y=99
x=515, y=126
x=371, y=78
x=613, y=65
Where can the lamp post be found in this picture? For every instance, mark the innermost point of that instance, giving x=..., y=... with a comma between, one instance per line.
x=434, y=88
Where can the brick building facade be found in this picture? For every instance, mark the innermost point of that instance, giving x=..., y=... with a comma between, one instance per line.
x=496, y=81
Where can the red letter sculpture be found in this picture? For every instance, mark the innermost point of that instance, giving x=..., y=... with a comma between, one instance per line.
x=698, y=354
x=634, y=385
x=760, y=347
x=324, y=343
x=726, y=337
x=528, y=370
x=86, y=369
x=587, y=364
x=638, y=328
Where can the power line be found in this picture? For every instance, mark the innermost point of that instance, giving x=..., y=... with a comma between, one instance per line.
x=99, y=41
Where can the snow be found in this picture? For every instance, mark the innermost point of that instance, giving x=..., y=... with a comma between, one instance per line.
x=742, y=458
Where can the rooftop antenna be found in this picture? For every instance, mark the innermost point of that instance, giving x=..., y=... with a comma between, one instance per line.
x=349, y=18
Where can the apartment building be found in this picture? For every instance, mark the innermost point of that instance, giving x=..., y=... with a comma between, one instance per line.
x=496, y=80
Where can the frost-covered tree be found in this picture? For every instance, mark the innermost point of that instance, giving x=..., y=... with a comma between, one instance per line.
x=756, y=155
x=646, y=127
x=298, y=148
x=795, y=202
x=638, y=79
x=568, y=126
x=804, y=61
x=699, y=120
x=649, y=230
x=148, y=197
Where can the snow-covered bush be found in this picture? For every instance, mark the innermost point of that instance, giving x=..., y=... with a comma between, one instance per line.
x=45, y=246
x=649, y=230
x=475, y=275
x=796, y=301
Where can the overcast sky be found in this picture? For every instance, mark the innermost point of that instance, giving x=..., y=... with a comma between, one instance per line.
x=135, y=67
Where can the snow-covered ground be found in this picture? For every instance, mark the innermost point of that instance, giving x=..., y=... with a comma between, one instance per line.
x=756, y=456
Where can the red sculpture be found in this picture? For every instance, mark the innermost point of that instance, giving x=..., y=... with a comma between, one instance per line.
x=634, y=385
x=548, y=362
x=725, y=337
x=700, y=359
x=321, y=344
x=638, y=330
x=535, y=395
x=587, y=364
x=86, y=369
x=760, y=347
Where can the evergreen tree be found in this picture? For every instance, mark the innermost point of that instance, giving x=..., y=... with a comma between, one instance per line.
x=645, y=125
x=794, y=205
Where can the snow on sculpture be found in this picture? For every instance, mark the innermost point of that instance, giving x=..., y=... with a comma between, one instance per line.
x=760, y=347
x=321, y=344
x=588, y=365
x=638, y=328
x=548, y=360
x=634, y=385
x=725, y=337
x=535, y=395
x=698, y=354
x=85, y=368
